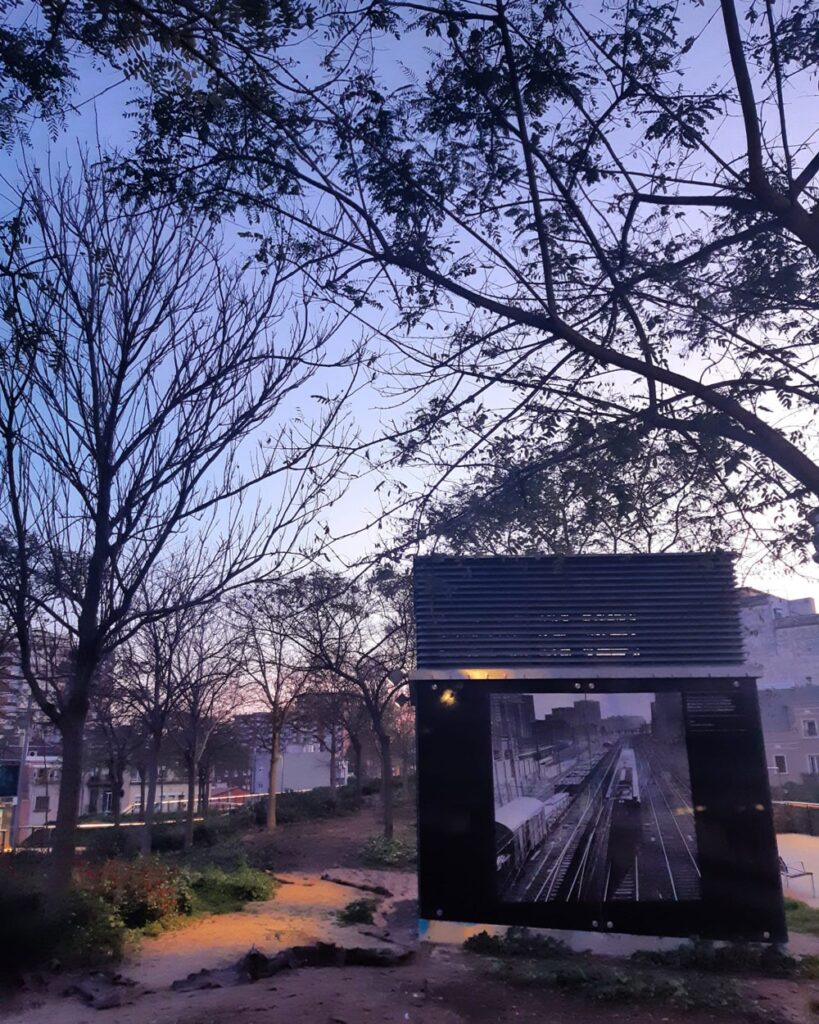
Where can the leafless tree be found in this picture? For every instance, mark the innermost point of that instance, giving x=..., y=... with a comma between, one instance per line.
x=402, y=727
x=145, y=388
x=273, y=666
x=332, y=711
x=150, y=678
x=208, y=670
x=116, y=736
x=360, y=632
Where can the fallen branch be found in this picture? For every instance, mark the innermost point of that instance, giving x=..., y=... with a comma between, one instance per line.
x=379, y=890
x=255, y=964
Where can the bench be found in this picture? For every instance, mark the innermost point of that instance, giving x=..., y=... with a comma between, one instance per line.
x=790, y=871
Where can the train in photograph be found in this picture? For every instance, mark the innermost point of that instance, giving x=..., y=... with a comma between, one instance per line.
x=520, y=828
x=626, y=818
x=577, y=777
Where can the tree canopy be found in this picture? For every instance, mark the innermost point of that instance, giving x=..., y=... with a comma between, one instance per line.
x=562, y=217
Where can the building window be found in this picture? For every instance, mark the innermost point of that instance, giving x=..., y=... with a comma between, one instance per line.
x=41, y=805
x=813, y=764
x=809, y=727
x=780, y=764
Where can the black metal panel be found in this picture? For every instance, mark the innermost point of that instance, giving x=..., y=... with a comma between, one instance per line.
x=537, y=610
x=740, y=896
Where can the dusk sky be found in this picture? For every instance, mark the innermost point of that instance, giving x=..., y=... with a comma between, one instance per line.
x=98, y=119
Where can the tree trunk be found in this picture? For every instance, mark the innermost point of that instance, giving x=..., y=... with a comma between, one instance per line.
x=333, y=761
x=189, y=810
x=152, y=768
x=275, y=753
x=141, y=771
x=386, y=783
x=355, y=743
x=117, y=773
x=68, y=811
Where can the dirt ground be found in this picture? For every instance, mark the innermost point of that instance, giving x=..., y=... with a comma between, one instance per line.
x=439, y=985
x=334, y=842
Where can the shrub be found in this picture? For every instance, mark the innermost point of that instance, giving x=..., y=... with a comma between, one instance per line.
x=140, y=892
x=90, y=931
x=35, y=930
x=357, y=912
x=167, y=837
x=314, y=804
x=219, y=892
x=735, y=958
x=391, y=853
x=517, y=942
x=107, y=843
x=624, y=984
x=371, y=787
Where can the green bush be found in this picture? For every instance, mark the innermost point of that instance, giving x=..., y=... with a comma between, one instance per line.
x=217, y=891
x=139, y=892
x=735, y=958
x=517, y=942
x=371, y=787
x=91, y=931
x=624, y=984
x=167, y=837
x=389, y=853
x=314, y=804
x=36, y=930
x=107, y=843
x=357, y=912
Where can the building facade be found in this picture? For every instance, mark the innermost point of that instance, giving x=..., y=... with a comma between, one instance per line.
x=782, y=645
x=781, y=639
x=515, y=747
x=790, y=725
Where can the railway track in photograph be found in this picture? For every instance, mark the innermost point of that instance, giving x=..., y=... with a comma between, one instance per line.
x=561, y=869
x=607, y=849
x=675, y=871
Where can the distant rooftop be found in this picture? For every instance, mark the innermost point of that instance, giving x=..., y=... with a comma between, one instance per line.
x=544, y=609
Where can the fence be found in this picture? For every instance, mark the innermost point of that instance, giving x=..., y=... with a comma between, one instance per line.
x=796, y=816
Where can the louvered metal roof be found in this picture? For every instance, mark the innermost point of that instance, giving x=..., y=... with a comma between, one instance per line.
x=542, y=609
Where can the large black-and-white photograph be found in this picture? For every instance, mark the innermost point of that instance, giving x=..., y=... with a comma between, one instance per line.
x=592, y=798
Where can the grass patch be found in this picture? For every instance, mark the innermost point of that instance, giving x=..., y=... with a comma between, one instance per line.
x=627, y=984
x=387, y=853
x=801, y=918
x=216, y=891
x=357, y=912
x=686, y=978
x=739, y=959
